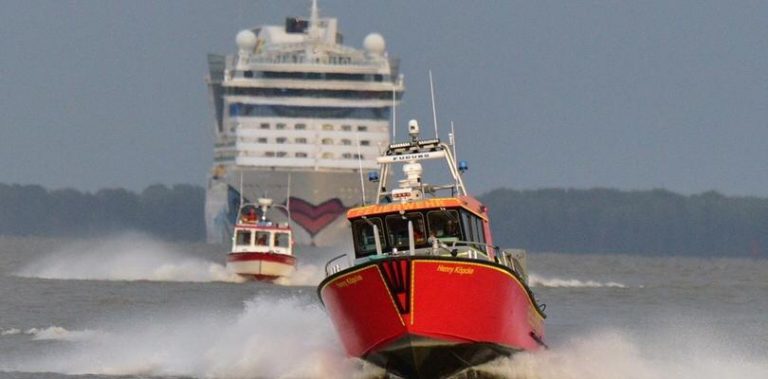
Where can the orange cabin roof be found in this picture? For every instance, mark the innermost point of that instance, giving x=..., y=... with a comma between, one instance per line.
x=467, y=202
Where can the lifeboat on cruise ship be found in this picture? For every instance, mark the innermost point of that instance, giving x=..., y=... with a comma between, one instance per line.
x=261, y=249
x=426, y=293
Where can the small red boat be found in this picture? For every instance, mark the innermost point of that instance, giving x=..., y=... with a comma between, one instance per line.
x=428, y=294
x=261, y=249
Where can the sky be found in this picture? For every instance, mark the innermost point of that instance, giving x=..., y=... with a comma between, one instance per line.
x=577, y=94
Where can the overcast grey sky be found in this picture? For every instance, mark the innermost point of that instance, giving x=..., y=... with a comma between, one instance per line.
x=630, y=95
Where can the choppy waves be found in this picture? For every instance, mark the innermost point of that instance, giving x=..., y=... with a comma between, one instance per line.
x=269, y=339
x=541, y=281
x=616, y=354
x=52, y=333
x=126, y=258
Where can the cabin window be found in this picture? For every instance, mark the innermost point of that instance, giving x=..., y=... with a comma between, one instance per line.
x=473, y=229
x=280, y=126
x=397, y=227
x=280, y=140
x=346, y=128
x=300, y=126
x=327, y=141
x=264, y=126
x=480, y=231
x=301, y=155
x=468, y=230
x=346, y=141
x=301, y=140
x=262, y=140
x=365, y=241
x=262, y=238
x=444, y=225
x=243, y=238
x=282, y=240
x=327, y=127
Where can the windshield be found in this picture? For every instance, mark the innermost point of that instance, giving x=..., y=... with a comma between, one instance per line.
x=397, y=227
x=282, y=240
x=444, y=225
x=365, y=242
x=243, y=238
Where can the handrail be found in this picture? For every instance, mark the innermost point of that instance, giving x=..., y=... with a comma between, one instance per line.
x=327, y=272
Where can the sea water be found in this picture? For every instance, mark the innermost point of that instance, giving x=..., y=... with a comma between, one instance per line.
x=131, y=307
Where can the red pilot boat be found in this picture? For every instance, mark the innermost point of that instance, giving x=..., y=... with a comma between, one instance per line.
x=427, y=294
x=261, y=249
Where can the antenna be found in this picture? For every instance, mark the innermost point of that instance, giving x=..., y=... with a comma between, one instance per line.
x=360, y=165
x=394, y=115
x=434, y=111
x=241, y=190
x=288, y=199
x=452, y=140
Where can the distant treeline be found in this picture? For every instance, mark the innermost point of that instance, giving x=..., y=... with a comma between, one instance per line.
x=575, y=221
x=174, y=213
x=612, y=221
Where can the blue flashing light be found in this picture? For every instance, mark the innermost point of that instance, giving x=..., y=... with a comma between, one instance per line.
x=463, y=166
x=373, y=176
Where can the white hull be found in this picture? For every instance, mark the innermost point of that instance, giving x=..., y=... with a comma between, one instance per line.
x=258, y=268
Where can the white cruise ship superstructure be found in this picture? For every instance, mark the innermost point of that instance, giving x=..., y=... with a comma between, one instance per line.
x=294, y=105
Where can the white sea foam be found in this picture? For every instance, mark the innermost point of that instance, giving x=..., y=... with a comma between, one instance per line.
x=10, y=332
x=126, y=258
x=289, y=339
x=53, y=333
x=58, y=333
x=540, y=281
x=615, y=354
x=305, y=275
x=269, y=339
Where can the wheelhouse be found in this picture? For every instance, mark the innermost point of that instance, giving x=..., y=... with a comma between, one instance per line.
x=254, y=233
x=438, y=226
x=262, y=240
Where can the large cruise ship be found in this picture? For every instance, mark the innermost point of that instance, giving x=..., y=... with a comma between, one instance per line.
x=298, y=117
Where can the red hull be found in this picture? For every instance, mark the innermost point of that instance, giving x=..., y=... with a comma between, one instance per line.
x=261, y=266
x=413, y=315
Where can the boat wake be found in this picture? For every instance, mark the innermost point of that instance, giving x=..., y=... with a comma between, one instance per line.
x=292, y=339
x=540, y=281
x=269, y=339
x=305, y=275
x=616, y=354
x=53, y=333
x=126, y=258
